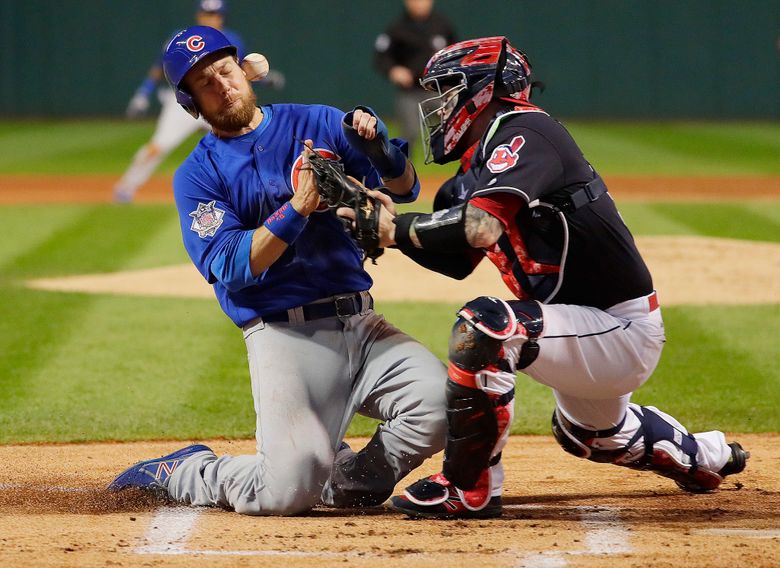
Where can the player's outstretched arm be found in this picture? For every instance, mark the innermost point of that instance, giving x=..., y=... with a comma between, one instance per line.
x=444, y=231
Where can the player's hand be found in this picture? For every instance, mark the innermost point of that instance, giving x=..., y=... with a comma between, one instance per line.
x=387, y=213
x=364, y=123
x=137, y=106
x=306, y=198
x=401, y=76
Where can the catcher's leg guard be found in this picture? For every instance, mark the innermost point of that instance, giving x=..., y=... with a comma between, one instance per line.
x=470, y=485
x=480, y=407
x=481, y=387
x=658, y=444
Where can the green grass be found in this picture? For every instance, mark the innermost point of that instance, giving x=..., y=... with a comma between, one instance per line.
x=100, y=367
x=674, y=148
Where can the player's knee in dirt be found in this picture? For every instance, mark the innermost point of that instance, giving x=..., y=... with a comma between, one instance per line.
x=289, y=486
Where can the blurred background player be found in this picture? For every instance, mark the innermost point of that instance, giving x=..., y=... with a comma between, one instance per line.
x=174, y=124
x=401, y=52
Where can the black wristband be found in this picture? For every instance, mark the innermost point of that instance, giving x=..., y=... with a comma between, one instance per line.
x=403, y=225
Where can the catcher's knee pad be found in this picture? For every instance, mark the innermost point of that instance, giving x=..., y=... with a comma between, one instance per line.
x=482, y=326
x=577, y=440
x=477, y=423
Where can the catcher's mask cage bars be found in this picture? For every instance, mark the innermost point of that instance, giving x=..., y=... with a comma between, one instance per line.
x=434, y=112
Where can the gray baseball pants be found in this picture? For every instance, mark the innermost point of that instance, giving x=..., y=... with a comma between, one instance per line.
x=309, y=378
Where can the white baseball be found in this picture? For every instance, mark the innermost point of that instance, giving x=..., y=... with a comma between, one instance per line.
x=255, y=65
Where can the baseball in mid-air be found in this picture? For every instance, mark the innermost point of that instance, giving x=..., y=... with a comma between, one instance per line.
x=255, y=65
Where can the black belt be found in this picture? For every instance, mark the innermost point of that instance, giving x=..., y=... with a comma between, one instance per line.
x=343, y=306
x=570, y=199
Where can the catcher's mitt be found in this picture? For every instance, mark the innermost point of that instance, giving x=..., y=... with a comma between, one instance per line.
x=337, y=190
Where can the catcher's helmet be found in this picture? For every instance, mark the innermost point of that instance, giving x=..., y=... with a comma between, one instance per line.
x=185, y=49
x=466, y=76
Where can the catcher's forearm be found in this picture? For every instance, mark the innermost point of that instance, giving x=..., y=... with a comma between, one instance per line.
x=456, y=228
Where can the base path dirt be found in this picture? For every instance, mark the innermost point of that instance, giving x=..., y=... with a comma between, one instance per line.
x=97, y=188
x=559, y=512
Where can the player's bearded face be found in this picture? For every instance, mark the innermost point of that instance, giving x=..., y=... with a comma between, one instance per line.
x=223, y=94
x=233, y=115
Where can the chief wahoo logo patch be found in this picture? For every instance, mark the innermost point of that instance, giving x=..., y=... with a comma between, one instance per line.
x=505, y=156
x=206, y=219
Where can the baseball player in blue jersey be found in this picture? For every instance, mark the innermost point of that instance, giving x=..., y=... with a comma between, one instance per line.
x=284, y=271
x=174, y=124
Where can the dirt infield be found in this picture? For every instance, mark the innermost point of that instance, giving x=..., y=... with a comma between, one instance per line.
x=688, y=270
x=560, y=511
x=97, y=188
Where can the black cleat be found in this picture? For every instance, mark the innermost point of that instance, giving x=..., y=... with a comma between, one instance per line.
x=704, y=482
x=737, y=462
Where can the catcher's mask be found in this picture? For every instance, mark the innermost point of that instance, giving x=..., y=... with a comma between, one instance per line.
x=184, y=50
x=466, y=76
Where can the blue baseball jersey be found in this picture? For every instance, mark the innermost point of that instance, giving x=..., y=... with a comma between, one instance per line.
x=227, y=188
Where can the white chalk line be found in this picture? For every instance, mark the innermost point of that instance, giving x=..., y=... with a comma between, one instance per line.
x=605, y=535
x=169, y=530
x=749, y=533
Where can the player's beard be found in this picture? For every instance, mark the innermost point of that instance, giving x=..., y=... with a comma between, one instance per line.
x=236, y=117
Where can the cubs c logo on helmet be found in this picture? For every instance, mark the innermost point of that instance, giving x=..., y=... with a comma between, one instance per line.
x=504, y=156
x=295, y=172
x=195, y=43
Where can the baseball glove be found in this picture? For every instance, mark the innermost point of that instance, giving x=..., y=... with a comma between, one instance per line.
x=337, y=190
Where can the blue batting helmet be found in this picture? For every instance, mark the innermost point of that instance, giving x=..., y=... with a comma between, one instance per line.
x=184, y=50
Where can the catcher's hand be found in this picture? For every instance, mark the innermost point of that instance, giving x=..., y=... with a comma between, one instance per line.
x=338, y=190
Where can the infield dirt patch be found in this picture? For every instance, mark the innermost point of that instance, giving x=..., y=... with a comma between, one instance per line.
x=686, y=270
x=560, y=511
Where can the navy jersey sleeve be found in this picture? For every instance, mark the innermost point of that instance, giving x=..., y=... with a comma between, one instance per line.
x=519, y=160
x=209, y=224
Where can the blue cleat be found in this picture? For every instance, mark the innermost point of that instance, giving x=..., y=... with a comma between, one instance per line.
x=152, y=474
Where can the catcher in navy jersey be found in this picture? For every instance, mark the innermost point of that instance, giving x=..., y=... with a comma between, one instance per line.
x=585, y=320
